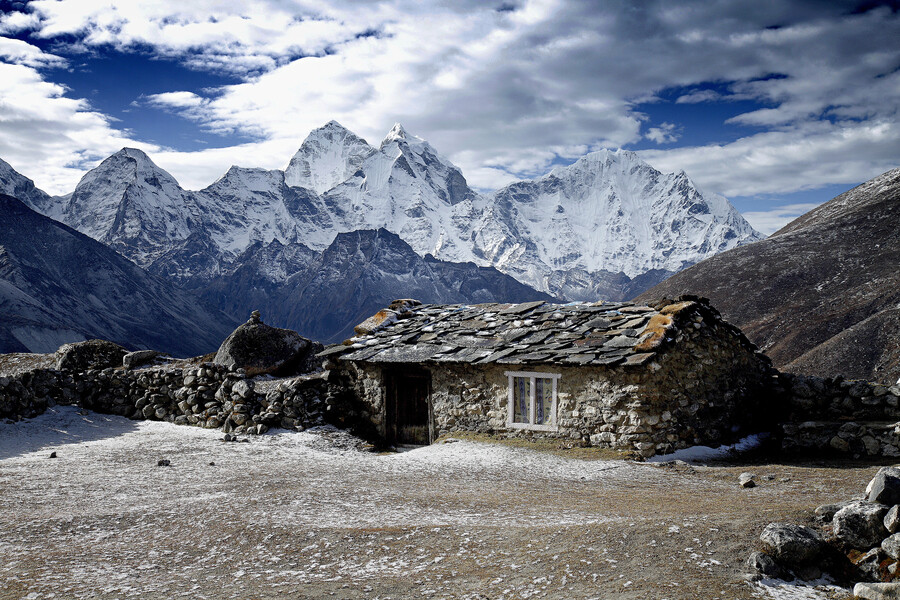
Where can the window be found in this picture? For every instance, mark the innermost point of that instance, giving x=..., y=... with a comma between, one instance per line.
x=532, y=401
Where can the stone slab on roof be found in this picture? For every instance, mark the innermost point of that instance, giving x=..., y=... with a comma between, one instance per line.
x=578, y=333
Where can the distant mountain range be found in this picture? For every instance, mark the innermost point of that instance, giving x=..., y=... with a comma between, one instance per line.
x=581, y=232
x=606, y=227
x=820, y=296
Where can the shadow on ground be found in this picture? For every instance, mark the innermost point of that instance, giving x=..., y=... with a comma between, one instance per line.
x=59, y=426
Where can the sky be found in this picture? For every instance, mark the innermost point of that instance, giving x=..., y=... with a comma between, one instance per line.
x=777, y=105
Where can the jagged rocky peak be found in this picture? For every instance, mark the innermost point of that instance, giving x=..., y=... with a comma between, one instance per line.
x=18, y=186
x=328, y=156
x=397, y=132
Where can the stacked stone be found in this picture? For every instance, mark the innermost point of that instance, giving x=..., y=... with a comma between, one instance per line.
x=296, y=403
x=832, y=399
x=852, y=417
x=208, y=395
x=28, y=394
x=859, y=542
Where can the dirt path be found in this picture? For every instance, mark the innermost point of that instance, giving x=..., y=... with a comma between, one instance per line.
x=293, y=516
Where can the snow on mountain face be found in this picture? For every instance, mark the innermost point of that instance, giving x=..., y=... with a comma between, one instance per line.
x=132, y=205
x=408, y=188
x=609, y=211
x=247, y=206
x=328, y=156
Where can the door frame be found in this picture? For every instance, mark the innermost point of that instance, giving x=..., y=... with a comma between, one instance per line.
x=391, y=377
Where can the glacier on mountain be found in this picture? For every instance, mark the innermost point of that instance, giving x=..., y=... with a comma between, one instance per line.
x=601, y=227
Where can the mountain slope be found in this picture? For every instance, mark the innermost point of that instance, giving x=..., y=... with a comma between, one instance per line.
x=821, y=295
x=58, y=285
x=608, y=213
x=363, y=271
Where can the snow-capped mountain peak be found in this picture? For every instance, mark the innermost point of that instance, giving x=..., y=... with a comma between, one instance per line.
x=328, y=156
x=397, y=132
x=127, y=201
x=607, y=216
x=611, y=211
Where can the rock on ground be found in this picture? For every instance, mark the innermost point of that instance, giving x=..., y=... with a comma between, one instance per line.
x=877, y=591
x=793, y=545
x=92, y=354
x=260, y=348
x=860, y=525
x=885, y=486
x=138, y=358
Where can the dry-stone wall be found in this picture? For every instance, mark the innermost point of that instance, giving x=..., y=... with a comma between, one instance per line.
x=850, y=417
x=207, y=395
x=26, y=395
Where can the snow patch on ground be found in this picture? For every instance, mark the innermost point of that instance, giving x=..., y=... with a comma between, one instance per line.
x=704, y=453
x=778, y=589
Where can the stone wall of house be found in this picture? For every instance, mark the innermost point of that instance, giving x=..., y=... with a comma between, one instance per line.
x=850, y=417
x=710, y=388
x=207, y=395
x=697, y=391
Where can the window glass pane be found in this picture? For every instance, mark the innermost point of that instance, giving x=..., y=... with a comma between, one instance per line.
x=521, y=399
x=543, y=401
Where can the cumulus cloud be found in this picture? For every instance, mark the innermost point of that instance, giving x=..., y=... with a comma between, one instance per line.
x=22, y=53
x=49, y=137
x=666, y=133
x=770, y=221
x=510, y=92
x=804, y=157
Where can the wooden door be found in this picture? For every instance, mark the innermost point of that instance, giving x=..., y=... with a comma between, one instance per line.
x=407, y=407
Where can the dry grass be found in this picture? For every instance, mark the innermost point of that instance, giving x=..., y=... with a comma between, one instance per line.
x=19, y=362
x=557, y=447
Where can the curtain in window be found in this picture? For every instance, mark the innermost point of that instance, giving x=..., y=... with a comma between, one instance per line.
x=521, y=399
x=543, y=400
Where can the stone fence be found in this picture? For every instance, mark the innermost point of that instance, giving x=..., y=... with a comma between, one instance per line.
x=207, y=395
x=855, y=418
x=852, y=417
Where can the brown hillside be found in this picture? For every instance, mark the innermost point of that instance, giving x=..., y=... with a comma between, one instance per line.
x=821, y=295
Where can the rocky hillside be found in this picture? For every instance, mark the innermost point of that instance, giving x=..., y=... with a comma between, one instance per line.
x=357, y=275
x=820, y=296
x=58, y=285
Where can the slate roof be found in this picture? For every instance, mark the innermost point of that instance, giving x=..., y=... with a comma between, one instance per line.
x=601, y=334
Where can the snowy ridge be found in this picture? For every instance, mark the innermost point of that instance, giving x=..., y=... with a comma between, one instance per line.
x=583, y=231
x=13, y=183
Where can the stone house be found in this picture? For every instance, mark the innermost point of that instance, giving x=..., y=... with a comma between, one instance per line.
x=639, y=378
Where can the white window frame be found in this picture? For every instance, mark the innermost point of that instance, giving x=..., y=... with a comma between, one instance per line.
x=510, y=409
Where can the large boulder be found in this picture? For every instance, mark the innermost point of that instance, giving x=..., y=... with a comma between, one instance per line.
x=793, y=546
x=259, y=348
x=92, y=354
x=860, y=525
x=885, y=486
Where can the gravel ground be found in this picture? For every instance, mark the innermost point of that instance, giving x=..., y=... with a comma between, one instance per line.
x=307, y=515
